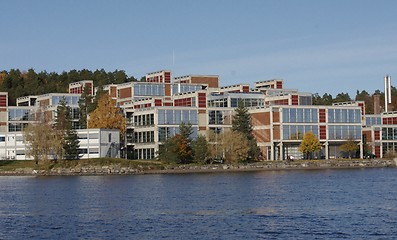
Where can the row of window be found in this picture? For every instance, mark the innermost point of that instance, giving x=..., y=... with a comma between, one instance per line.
x=70, y=100
x=295, y=132
x=167, y=132
x=183, y=88
x=220, y=117
x=146, y=153
x=148, y=90
x=20, y=115
x=177, y=117
x=344, y=132
x=344, y=116
x=310, y=115
x=371, y=121
x=144, y=120
x=300, y=115
x=389, y=133
x=247, y=102
x=144, y=137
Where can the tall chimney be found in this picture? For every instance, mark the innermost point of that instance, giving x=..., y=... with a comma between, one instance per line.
x=376, y=104
x=387, y=80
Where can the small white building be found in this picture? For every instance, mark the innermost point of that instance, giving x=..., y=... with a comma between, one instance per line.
x=94, y=143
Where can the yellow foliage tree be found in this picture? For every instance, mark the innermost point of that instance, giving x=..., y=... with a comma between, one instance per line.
x=107, y=115
x=309, y=144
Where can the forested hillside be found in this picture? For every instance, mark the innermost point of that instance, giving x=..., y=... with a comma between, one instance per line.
x=23, y=83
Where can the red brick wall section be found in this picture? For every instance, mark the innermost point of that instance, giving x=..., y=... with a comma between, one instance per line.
x=125, y=92
x=246, y=88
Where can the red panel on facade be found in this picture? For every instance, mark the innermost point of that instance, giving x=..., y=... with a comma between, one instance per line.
x=321, y=113
x=281, y=102
x=377, y=135
x=158, y=102
x=362, y=108
x=202, y=100
x=167, y=77
x=295, y=99
x=377, y=151
x=3, y=101
x=323, y=132
x=246, y=88
x=279, y=84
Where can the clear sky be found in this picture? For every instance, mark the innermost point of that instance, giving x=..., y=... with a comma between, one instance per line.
x=318, y=46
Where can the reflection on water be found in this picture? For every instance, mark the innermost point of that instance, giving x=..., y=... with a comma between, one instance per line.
x=351, y=204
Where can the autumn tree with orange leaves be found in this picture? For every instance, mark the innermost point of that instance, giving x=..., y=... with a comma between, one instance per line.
x=107, y=115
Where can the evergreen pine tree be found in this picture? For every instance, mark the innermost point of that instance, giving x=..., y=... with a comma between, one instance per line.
x=68, y=136
x=84, y=105
x=241, y=123
x=71, y=145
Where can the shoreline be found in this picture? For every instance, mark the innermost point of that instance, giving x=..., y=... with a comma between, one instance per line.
x=115, y=169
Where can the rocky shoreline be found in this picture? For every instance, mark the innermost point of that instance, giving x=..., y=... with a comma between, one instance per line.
x=115, y=169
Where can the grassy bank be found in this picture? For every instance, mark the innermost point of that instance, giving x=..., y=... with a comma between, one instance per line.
x=12, y=165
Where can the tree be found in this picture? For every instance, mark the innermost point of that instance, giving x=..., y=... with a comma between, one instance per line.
x=42, y=140
x=168, y=151
x=235, y=147
x=107, y=115
x=367, y=98
x=342, y=97
x=241, y=123
x=85, y=103
x=350, y=146
x=71, y=145
x=309, y=145
x=200, y=149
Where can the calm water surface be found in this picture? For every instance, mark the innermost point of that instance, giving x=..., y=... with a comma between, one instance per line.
x=321, y=204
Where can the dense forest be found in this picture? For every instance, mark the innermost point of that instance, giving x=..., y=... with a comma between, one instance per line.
x=23, y=83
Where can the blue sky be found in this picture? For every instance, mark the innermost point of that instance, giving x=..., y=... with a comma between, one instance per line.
x=315, y=46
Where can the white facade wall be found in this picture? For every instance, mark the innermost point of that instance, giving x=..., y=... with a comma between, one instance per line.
x=94, y=143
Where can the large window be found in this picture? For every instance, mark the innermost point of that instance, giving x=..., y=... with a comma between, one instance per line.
x=144, y=120
x=344, y=116
x=183, y=88
x=389, y=133
x=247, y=102
x=222, y=102
x=373, y=120
x=295, y=132
x=70, y=100
x=20, y=115
x=146, y=89
x=167, y=132
x=344, y=132
x=300, y=115
x=16, y=127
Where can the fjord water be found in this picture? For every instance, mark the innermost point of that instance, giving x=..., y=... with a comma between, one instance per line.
x=304, y=204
